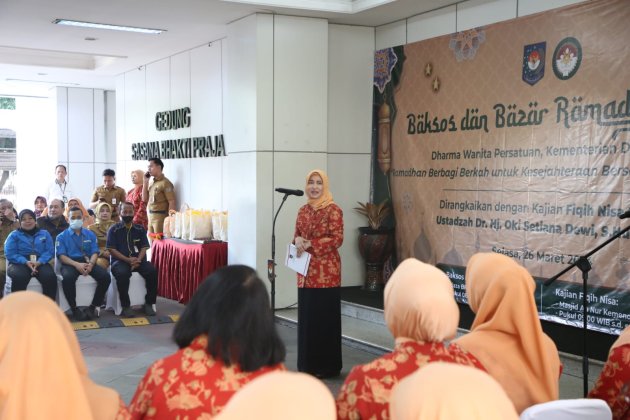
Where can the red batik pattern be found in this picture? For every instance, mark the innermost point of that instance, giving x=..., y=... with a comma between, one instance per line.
x=189, y=384
x=614, y=381
x=140, y=217
x=324, y=228
x=366, y=391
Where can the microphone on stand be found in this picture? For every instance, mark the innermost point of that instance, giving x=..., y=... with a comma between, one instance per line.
x=299, y=193
x=621, y=216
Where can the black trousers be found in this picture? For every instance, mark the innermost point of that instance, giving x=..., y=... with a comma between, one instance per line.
x=70, y=276
x=21, y=275
x=319, y=330
x=122, y=273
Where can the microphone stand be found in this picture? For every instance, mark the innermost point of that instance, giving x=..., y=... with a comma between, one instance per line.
x=271, y=264
x=585, y=266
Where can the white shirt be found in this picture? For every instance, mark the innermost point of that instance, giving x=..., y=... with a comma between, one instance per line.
x=61, y=191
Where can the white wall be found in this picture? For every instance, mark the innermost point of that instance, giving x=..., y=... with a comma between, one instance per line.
x=459, y=17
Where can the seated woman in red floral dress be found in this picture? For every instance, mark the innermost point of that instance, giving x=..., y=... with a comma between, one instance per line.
x=613, y=384
x=421, y=313
x=226, y=337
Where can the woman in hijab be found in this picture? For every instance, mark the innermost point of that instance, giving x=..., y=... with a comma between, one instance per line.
x=42, y=372
x=421, y=313
x=281, y=396
x=613, y=384
x=28, y=251
x=445, y=391
x=40, y=205
x=134, y=196
x=226, y=338
x=506, y=335
x=319, y=231
x=100, y=228
x=75, y=202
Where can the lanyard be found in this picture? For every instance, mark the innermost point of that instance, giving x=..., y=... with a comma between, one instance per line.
x=80, y=244
x=63, y=191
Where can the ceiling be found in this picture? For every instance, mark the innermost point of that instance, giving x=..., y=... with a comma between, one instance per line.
x=36, y=55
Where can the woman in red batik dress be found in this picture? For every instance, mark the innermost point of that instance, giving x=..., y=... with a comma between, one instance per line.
x=613, y=384
x=227, y=337
x=134, y=196
x=319, y=231
x=421, y=313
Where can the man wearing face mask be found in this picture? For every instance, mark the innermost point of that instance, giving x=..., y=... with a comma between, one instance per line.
x=54, y=222
x=77, y=249
x=128, y=244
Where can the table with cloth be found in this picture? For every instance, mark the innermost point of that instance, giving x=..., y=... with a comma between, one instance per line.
x=183, y=265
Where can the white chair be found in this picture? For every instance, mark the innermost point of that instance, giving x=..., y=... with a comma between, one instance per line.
x=85, y=287
x=137, y=292
x=576, y=409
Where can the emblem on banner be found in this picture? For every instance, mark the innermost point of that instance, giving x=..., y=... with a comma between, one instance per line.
x=534, y=62
x=567, y=58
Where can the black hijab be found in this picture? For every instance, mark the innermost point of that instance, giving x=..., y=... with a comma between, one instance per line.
x=32, y=214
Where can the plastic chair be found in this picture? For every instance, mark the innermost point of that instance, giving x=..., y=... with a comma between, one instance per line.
x=137, y=292
x=33, y=285
x=575, y=409
x=85, y=287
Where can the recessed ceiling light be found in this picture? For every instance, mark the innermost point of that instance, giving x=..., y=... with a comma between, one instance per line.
x=107, y=26
x=42, y=74
x=89, y=38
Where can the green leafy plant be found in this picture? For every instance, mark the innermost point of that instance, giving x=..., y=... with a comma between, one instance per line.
x=375, y=213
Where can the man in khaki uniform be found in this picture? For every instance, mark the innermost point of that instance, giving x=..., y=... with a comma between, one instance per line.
x=8, y=223
x=159, y=194
x=109, y=193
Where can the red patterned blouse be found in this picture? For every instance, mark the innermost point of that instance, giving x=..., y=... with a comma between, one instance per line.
x=366, y=391
x=324, y=228
x=613, y=383
x=140, y=217
x=189, y=384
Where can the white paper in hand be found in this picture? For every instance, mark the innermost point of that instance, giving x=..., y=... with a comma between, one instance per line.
x=295, y=263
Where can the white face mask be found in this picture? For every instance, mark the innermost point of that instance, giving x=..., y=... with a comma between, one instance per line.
x=76, y=224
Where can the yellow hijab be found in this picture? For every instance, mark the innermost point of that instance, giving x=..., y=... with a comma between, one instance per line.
x=326, y=198
x=420, y=303
x=281, y=395
x=506, y=335
x=448, y=391
x=42, y=372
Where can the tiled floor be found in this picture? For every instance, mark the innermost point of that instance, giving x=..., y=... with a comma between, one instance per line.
x=119, y=357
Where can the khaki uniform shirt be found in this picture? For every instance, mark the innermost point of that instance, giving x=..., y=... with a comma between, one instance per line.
x=161, y=190
x=113, y=196
x=6, y=227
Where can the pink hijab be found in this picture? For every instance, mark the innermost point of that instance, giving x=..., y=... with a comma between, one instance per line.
x=420, y=303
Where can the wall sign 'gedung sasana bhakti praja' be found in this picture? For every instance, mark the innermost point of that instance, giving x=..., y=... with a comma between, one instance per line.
x=184, y=148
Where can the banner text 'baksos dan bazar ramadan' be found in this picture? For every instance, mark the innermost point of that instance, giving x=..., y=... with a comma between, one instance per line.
x=515, y=138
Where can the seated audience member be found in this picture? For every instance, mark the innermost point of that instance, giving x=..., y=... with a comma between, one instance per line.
x=42, y=372
x=421, y=312
x=52, y=219
x=87, y=218
x=128, y=245
x=77, y=251
x=100, y=228
x=613, y=384
x=444, y=391
x=109, y=193
x=134, y=196
x=28, y=250
x=40, y=205
x=281, y=396
x=226, y=337
x=8, y=223
x=506, y=335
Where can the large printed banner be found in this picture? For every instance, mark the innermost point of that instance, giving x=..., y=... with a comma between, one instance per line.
x=515, y=138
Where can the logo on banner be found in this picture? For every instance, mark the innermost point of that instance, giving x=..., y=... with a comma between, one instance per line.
x=534, y=62
x=567, y=58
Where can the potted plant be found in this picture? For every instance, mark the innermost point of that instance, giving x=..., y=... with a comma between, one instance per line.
x=376, y=242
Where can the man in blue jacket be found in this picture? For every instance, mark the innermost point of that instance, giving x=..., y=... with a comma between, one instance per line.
x=128, y=245
x=28, y=250
x=77, y=249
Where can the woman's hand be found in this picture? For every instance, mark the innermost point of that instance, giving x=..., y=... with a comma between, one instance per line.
x=302, y=245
